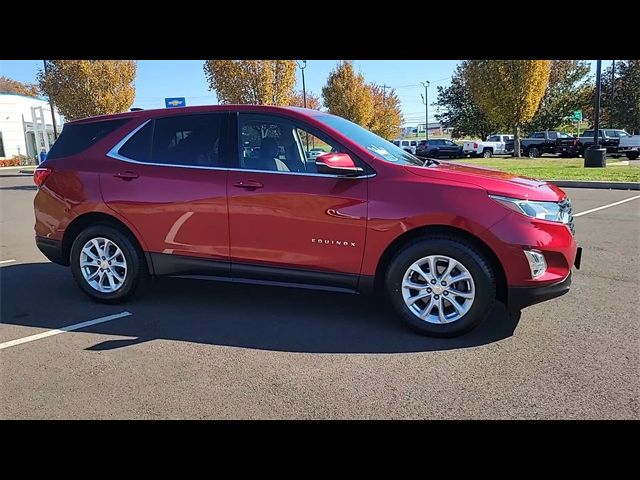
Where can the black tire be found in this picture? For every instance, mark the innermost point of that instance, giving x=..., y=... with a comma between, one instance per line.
x=133, y=255
x=461, y=251
x=633, y=155
x=533, y=152
x=487, y=153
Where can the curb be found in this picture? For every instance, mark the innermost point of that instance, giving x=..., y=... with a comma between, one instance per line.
x=599, y=185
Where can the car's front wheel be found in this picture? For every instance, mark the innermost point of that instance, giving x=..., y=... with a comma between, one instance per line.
x=441, y=286
x=106, y=264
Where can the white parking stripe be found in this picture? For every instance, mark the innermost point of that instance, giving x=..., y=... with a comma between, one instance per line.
x=58, y=331
x=606, y=206
x=7, y=261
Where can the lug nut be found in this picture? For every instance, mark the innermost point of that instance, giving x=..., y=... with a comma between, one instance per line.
x=436, y=297
x=428, y=290
x=433, y=282
x=444, y=284
x=446, y=293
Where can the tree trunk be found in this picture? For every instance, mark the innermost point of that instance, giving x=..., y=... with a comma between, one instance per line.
x=516, y=142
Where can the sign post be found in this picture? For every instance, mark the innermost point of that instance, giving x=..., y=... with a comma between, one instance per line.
x=174, y=102
x=577, y=117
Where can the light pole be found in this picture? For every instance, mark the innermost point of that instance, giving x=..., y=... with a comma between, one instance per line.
x=53, y=113
x=425, y=100
x=304, y=90
x=596, y=156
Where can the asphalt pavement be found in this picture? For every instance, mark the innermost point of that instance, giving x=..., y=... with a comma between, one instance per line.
x=204, y=349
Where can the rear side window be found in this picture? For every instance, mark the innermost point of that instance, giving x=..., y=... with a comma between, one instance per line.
x=76, y=138
x=185, y=140
x=138, y=147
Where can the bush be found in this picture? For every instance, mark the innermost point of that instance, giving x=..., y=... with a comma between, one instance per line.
x=12, y=162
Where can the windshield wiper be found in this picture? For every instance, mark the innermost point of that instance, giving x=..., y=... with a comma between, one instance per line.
x=430, y=161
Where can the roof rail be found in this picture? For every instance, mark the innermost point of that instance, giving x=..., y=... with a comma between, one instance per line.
x=136, y=109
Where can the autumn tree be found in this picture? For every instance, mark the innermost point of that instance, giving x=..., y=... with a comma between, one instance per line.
x=564, y=94
x=508, y=91
x=387, y=114
x=313, y=100
x=85, y=88
x=261, y=82
x=347, y=95
x=9, y=85
x=460, y=110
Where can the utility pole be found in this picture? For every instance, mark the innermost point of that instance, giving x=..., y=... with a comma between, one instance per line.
x=384, y=94
x=425, y=100
x=304, y=89
x=53, y=112
x=596, y=156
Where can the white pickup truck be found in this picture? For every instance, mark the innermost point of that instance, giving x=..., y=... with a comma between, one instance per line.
x=494, y=145
x=629, y=145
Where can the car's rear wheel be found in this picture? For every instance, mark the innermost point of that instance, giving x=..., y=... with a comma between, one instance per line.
x=487, y=153
x=632, y=155
x=533, y=152
x=441, y=286
x=106, y=264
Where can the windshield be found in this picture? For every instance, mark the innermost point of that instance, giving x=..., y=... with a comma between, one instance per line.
x=380, y=147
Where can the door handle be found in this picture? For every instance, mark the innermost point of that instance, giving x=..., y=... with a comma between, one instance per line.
x=128, y=175
x=248, y=184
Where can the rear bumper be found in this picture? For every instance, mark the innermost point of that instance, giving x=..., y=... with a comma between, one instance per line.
x=52, y=249
x=520, y=297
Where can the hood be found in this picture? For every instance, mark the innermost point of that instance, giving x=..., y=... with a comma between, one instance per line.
x=493, y=181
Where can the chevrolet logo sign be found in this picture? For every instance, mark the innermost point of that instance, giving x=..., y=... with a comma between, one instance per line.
x=175, y=102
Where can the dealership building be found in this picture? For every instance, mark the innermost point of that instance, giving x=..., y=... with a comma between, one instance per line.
x=26, y=126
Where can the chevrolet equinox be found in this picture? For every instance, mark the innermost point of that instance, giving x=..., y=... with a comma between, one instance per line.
x=296, y=196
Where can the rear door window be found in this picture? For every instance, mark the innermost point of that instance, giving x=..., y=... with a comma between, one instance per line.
x=76, y=138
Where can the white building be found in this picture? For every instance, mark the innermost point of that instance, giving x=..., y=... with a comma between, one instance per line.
x=23, y=123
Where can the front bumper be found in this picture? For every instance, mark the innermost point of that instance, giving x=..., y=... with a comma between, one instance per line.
x=52, y=249
x=520, y=297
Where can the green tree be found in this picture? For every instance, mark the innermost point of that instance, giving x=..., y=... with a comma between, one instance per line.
x=460, y=110
x=623, y=110
x=387, y=114
x=347, y=95
x=259, y=82
x=508, y=91
x=9, y=85
x=564, y=94
x=85, y=88
x=313, y=100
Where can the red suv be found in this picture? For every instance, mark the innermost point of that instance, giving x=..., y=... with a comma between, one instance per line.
x=233, y=191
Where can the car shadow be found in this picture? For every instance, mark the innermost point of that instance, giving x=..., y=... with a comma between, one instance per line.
x=43, y=295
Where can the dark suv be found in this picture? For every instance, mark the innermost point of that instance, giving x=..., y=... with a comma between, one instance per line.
x=229, y=191
x=439, y=148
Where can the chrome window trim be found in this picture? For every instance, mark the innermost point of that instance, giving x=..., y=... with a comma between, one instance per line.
x=113, y=153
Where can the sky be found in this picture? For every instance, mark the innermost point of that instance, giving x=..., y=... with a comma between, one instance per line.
x=158, y=79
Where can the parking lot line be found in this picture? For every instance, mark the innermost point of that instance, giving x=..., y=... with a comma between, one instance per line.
x=58, y=331
x=7, y=261
x=606, y=206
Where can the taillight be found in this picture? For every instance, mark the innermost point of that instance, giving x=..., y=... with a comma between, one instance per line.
x=475, y=145
x=41, y=175
x=575, y=142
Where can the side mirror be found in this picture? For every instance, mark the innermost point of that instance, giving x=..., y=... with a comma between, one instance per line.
x=337, y=164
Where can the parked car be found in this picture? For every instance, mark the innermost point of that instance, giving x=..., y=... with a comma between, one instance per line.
x=315, y=153
x=494, y=145
x=121, y=197
x=438, y=148
x=629, y=145
x=617, y=142
x=407, y=145
x=539, y=143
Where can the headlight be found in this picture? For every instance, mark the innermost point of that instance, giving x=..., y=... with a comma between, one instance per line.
x=542, y=210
